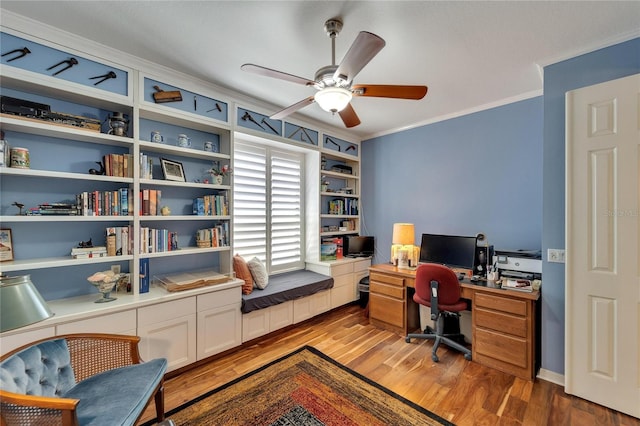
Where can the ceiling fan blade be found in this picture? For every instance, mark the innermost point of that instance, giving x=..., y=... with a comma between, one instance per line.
x=293, y=108
x=364, y=48
x=268, y=72
x=349, y=116
x=390, y=91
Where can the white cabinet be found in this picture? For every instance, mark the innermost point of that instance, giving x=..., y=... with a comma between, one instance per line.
x=263, y=321
x=346, y=275
x=168, y=330
x=219, y=322
x=310, y=306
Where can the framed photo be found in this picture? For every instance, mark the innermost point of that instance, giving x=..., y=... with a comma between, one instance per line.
x=172, y=170
x=6, y=245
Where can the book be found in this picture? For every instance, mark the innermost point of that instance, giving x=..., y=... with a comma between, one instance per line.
x=144, y=275
x=79, y=250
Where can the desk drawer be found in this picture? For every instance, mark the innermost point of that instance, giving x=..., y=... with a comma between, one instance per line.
x=388, y=290
x=387, y=310
x=497, y=346
x=498, y=303
x=387, y=279
x=501, y=322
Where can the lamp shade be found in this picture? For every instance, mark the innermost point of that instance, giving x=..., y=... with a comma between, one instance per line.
x=20, y=303
x=333, y=99
x=403, y=233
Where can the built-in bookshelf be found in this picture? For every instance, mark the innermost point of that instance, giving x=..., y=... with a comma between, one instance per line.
x=84, y=182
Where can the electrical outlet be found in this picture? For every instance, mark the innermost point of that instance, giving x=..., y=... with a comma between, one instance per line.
x=555, y=255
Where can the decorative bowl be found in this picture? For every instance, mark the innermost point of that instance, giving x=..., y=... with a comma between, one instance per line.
x=106, y=287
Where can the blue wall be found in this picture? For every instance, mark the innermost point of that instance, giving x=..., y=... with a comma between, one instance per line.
x=478, y=173
x=602, y=65
x=496, y=172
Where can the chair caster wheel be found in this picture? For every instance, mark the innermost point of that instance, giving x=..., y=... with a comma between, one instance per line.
x=467, y=357
x=435, y=358
x=407, y=339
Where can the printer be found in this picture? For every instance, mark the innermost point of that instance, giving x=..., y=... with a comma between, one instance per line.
x=518, y=264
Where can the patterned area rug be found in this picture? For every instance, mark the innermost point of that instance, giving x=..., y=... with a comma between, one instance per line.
x=305, y=387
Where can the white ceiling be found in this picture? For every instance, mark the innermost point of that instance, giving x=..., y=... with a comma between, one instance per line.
x=471, y=54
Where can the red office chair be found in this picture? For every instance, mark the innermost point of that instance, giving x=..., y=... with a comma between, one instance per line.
x=438, y=288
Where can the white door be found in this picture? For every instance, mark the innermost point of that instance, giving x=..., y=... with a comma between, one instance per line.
x=602, y=322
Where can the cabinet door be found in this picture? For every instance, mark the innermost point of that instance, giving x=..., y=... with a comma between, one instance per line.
x=219, y=329
x=168, y=330
x=173, y=339
x=386, y=309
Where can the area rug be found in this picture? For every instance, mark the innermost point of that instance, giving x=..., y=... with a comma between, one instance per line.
x=305, y=387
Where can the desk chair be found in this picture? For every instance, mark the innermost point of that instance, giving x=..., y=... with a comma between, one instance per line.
x=437, y=287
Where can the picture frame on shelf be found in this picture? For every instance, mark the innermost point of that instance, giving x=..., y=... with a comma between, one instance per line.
x=172, y=170
x=6, y=245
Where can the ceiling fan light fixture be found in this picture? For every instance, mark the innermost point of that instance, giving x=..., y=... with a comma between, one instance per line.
x=333, y=99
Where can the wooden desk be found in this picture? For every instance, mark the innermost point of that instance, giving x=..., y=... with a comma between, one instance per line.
x=504, y=322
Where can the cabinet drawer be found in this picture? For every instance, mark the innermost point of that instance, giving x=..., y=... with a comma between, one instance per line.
x=165, y=311
x=499, y=321
x=388, y=290
x=387, y=279
x=337, y=270
x=361, y=265
x=118, y=323
x=508, y=349
x=498, y=303
x=386, y=309
x=217, y=299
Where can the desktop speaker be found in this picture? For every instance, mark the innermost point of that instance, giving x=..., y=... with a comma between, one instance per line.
x=482, y=260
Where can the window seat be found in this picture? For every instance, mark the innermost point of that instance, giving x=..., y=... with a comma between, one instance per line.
x=284, y=287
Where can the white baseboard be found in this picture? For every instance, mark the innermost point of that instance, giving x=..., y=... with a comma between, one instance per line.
x=550, y=376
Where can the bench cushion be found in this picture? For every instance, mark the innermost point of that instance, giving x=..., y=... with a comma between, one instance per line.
x=118, y=396
x=285, y=287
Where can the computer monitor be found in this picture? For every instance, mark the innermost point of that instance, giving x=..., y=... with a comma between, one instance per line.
x=358, y=246
x=451, y=250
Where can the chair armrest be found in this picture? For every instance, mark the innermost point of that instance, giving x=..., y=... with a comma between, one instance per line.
x=94, y=353
x=30, y=409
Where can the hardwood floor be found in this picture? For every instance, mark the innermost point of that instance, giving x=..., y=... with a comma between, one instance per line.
x=463, y=392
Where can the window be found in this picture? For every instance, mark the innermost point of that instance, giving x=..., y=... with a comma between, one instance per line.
x=268, y=205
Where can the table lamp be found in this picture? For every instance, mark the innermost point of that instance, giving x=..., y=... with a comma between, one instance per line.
x=21, y=304
x=402, y=249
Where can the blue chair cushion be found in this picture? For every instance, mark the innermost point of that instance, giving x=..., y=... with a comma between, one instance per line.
x=117, y=397
x=40, y=370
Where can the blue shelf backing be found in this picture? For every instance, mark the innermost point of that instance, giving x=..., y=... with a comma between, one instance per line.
x=300, y=134
x=259, y=122
x=52, y=62
x=340, y=145
x=191, y=102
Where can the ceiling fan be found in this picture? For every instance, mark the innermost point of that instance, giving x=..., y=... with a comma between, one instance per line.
x=335, y=82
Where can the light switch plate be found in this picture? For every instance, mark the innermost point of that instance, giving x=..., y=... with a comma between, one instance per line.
x=555, y=255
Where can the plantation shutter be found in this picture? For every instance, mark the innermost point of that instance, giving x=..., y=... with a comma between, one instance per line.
x=268, y=205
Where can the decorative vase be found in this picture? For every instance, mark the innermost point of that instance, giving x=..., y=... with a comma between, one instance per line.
x=217, y=179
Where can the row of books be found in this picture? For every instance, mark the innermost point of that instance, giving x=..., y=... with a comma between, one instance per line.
x=150, y=200
x=157, y=240
x=55, y=209
x=120, y=165
x=119, y=240
x=347, y=206
x=211, y=205
x=105, y=203
x=146, y=166
x=218, y=235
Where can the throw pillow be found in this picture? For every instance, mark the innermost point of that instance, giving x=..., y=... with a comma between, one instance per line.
x=242, y=272
x=259, y=273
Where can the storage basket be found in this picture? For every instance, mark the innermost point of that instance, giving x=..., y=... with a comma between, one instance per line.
x=203, y=243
